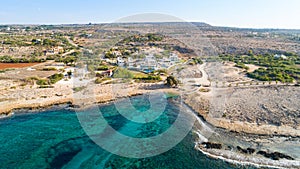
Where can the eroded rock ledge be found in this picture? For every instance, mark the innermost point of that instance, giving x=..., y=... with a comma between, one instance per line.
x=245, y=109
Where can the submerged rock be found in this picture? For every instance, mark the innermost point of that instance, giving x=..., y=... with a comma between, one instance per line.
x=63, y=152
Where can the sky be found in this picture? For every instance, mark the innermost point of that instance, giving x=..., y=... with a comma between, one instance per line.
x=232, y=13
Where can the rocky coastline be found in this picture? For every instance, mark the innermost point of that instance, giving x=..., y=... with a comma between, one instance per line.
x=241, y=154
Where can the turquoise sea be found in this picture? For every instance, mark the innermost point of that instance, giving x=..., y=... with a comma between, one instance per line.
x=54, y=138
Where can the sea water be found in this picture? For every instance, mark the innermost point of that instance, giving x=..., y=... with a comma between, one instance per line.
x=55, y=139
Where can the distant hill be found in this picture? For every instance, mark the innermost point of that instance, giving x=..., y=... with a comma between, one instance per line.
x=201, y=24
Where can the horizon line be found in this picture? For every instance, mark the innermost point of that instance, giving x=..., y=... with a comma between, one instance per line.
x=138, y=22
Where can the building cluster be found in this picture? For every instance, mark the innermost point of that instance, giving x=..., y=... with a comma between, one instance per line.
x=53, y=51
x=148, y=64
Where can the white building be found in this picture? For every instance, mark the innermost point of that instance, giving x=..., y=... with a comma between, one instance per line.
x=174, y=58
x=120, y=61
x=165, y=62
x=149, y=64
x=130, y=63
x=117, y=53
x=280, y=56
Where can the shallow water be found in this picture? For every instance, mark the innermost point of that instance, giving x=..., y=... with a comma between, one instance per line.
x=55, y=139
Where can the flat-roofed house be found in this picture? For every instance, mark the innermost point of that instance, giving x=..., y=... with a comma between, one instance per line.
x=149, y=64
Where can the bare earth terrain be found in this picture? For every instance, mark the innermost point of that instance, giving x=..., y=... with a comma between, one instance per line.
x=248, y=121
x=264, y=105
x=252, y=121
x=15, y=65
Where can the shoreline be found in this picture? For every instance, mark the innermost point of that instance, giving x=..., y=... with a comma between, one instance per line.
x=244, y=160
x=9, y=109
x=212, y=153
x=240, y=126
x=233, y=156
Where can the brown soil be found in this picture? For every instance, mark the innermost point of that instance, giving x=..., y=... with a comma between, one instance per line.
x=15, y=65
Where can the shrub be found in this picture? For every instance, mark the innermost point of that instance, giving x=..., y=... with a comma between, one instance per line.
x=123, y=73
x=42, y=82
x=103, y=67
x=78, y=89
x=46, y=86
x=161, y=71
x=197, y=61
x=204, y=90
x=33, y=78
x=55, y=78
x=148, y=78
x=277, y=69
x=101, y=80
x=49, y=69
x=242, y=65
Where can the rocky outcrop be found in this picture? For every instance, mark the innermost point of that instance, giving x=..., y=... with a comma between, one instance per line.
x=210, y=145
x=237, y=123
x=245, y=151
x=275, y=155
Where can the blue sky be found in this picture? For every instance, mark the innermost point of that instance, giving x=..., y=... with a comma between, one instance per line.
x=238, y=13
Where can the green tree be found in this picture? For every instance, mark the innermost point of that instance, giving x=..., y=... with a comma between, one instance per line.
x=69, y=73
x=69, y=60
x=250, y=53
x=171, y=81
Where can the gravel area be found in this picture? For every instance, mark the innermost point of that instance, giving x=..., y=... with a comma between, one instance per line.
x=274, y=105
